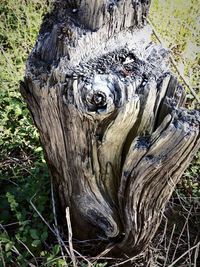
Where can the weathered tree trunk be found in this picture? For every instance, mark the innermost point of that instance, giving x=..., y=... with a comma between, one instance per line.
x=108, y=112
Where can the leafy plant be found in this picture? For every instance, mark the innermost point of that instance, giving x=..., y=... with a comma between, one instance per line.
x=23, y=171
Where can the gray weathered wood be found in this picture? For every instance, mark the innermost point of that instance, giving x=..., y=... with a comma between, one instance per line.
x=110, y=119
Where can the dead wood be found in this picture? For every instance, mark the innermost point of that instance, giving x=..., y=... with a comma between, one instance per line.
x=110, y=119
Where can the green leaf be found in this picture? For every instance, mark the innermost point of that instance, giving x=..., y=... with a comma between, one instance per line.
x=56, y=249
x=38, y=149
x=61, y=262
x=36, y=243
x=34, y=234
x=8, y=246
x=18, y=110
x=44, y=236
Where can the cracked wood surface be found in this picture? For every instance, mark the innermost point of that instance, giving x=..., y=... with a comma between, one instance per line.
x=110, y=118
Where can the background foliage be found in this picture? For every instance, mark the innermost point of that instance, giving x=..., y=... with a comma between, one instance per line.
x=178, y=25
x=25, y=238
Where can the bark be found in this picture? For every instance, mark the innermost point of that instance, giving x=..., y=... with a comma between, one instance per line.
x=110, y=119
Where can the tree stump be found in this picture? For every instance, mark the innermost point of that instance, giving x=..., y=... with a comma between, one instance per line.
x=110, y=117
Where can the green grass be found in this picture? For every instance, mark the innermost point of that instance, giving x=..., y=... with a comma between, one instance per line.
x=24, y=237
x=178, y=25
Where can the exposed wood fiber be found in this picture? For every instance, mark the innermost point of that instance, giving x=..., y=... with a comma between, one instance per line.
x=110, y=118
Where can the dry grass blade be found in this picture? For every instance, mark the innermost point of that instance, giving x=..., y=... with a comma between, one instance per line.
x=56, y=222
x=28, y=251
x=179, y=238
x=169, y=245
x=70, y=237
x=102, y=254
x=50, y=228
x=60, y=240
x=184, y=80
x=163, y=236
x=175, y=65
x=15, y=250
x=39, y=214
x=188, y=237
x=185, y=253
x=126, y=261
x=196, y=254
x=57, y=236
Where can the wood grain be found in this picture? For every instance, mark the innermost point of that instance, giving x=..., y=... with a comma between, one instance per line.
x=109, y=115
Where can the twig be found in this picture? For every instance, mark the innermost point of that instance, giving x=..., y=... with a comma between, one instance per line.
x=184, y=79
x=185, y=253
x=169, y=245
x=15, y=223
x=103, y=254
x=28, y=251
x=164, y=232
x=181, y=200
x=14, y=249
x=39, y=214
x=196, y=254
x=54, y=259
x=175, y=65
x=50, y=228
x=188, y=243
x=56, y=222
x=2, y=258
x=123, y=262
x=70, y=237
x=8, y=180
x=179, y=238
